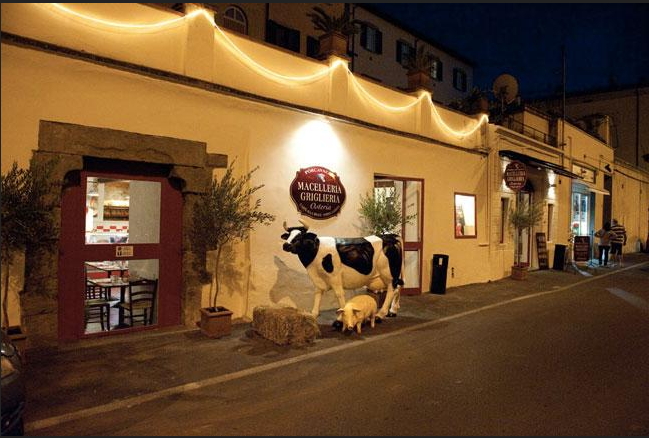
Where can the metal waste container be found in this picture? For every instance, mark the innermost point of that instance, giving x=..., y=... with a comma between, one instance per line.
x=559, y=257
x=438, y=278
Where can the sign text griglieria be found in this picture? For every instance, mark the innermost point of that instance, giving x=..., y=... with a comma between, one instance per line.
x=317, y=192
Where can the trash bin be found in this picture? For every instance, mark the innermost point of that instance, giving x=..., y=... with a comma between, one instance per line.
x=559, y=257
x=438, y=278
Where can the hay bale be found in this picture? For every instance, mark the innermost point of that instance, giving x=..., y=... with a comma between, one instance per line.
x=285, y=325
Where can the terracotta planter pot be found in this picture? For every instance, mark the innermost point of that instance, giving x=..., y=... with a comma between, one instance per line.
x=419, y=79
x=216, y=323
x=519, y=272
x=333, y=43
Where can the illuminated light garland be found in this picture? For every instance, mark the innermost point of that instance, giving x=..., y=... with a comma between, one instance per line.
x=374, y=100
x=126, y=25
x=251, y=63
x=243, y=57
x=484, y=118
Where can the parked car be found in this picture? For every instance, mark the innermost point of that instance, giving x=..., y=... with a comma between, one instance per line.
x=13, y=389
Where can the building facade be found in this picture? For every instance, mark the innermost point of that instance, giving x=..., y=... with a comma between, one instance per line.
x=135, y=108
x=377, y=52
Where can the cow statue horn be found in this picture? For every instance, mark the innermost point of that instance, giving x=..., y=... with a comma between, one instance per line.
x=306, y=227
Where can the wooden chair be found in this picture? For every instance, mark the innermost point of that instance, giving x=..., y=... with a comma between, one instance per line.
x=140, y=304
x=97, y=306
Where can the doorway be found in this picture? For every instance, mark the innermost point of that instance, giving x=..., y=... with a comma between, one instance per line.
x=120, y=223
x=410, y=197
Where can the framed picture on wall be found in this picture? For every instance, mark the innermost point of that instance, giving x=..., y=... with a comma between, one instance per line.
x=465, y=216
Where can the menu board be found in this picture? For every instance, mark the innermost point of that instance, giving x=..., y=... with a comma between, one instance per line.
x=581, y=248
x=542, y=250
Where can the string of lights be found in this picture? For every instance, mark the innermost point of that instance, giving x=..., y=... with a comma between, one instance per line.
x=221, y=36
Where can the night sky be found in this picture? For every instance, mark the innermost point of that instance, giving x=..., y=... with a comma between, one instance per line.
x=605, y=44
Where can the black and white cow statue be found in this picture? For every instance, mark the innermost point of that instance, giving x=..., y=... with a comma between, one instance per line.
x=349, y=263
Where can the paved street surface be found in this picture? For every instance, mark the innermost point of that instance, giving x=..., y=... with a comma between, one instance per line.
x=557, y=354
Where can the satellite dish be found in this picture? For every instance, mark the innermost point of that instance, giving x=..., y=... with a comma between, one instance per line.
x=505, y=88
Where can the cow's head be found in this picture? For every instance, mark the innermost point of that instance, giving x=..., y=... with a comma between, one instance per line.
x=301, y=242
x=294, y=237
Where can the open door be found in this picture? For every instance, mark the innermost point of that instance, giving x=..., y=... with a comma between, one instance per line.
x=117, y=228
x=411, y=195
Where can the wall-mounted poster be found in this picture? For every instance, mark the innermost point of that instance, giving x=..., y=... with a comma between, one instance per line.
x=317, y=192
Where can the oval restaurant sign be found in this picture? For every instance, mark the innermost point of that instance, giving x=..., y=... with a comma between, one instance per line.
x=515, y=175
x=317, y=192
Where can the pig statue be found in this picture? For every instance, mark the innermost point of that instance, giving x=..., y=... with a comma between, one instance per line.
x=357, y=310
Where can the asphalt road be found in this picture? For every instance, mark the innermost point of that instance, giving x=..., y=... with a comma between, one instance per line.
x=570, y=362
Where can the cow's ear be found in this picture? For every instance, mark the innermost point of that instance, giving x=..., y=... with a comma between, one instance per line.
x=356, y=310
x=339, y=311
x=284, y=236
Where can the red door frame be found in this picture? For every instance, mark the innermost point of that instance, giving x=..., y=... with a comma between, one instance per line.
x=73, y=252
x=410, y=245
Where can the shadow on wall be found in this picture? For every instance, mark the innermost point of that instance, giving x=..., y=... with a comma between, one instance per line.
x=294, y=288
x=231, y=276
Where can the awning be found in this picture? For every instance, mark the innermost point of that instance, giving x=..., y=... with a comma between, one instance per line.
x=532, y=161
x=591, y=188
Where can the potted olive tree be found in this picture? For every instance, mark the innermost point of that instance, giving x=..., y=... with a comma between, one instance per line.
x=524, y=216
x=337, y=30
x=27, y=222
x=222, y=216
x=380, y=214
x=418, y=65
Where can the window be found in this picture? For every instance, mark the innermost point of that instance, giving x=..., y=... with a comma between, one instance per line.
x=283, y=36
x=312, y=47
x=436, y=69
x=371, y=39
x=459, y=79
x=465, y=216
x=234, y=19
x=550, y=214
x=404, y=51
x=504, y=211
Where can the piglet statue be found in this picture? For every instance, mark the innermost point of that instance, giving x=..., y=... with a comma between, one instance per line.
x=357, y=310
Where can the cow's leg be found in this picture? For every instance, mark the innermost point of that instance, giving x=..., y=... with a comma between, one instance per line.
x=386, y=304
x=317, y=298
x=394, y=307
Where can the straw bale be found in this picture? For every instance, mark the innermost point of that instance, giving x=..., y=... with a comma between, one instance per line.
x=285, y=325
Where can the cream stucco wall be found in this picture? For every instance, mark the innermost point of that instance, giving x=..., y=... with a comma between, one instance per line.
x=39, y=86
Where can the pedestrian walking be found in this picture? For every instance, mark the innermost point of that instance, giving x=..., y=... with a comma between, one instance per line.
x=617, y=242
x=605, y=236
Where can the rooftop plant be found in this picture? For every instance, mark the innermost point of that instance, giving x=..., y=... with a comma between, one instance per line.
x=343, y=23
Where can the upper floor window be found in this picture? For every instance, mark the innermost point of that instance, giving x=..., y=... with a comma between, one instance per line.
x=436, y=69
x=371, y=38
x=312, y=47
x=459, y=79
x=404, y=51
x=283, y=36
x=234, y=19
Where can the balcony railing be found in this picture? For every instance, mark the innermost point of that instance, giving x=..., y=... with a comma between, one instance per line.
x=528, y=131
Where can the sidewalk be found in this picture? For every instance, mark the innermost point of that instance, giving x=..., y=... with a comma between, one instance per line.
x=96, y=372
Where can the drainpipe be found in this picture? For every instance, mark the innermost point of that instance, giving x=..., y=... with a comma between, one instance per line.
x=353, y=37
x=637, y=126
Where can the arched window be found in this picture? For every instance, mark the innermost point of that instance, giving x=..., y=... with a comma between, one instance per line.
x=234, y=19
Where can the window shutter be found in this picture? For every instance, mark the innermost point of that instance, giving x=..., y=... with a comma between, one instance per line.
x=379, y=42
